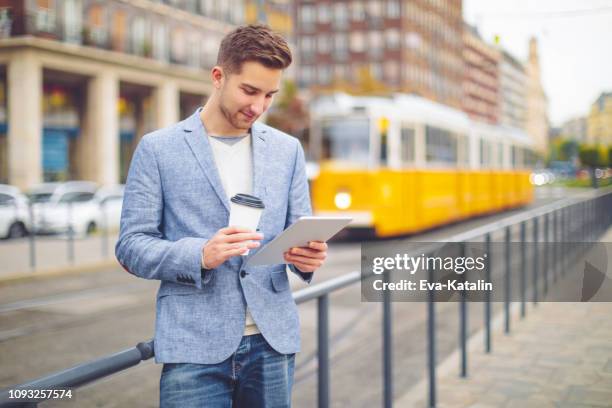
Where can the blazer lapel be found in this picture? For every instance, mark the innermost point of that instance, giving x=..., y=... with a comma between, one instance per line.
x=259, y=160
x=197, y=139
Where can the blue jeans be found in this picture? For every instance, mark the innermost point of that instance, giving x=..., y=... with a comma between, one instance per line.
x=256, y=375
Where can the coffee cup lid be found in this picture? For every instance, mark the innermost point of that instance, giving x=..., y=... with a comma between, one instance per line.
x=248, y=200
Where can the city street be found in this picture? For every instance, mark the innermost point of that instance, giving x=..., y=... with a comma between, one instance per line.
x=54, y=323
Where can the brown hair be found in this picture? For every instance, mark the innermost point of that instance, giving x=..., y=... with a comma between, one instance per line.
x=255, y=42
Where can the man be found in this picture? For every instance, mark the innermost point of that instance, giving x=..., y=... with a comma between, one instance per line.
x=226, y=332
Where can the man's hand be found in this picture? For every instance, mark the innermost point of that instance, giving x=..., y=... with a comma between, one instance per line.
x=228, y=242
x=307, y=259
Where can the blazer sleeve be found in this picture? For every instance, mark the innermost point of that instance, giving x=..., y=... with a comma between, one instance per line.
x=299, y=200
x=141, y=248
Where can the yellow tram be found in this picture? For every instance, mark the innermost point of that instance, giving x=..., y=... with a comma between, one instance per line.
x=404, y=164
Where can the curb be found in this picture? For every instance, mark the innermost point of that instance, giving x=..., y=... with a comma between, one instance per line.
x=58, y=272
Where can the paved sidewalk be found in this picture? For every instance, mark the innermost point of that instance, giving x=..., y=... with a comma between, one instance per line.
x=559, y=356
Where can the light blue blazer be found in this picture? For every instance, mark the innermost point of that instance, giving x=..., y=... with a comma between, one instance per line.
x=174, y=202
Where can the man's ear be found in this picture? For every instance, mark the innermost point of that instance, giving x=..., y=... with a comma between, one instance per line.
x=217, y=76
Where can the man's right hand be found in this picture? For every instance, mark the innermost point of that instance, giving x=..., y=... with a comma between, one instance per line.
x=228, y=242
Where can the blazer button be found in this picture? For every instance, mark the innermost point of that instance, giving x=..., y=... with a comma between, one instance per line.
x=243, y=273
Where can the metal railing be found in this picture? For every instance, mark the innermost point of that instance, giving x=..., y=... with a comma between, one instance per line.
x=580, y=220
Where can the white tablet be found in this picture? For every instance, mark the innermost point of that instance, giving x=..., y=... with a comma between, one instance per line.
x=298, y=234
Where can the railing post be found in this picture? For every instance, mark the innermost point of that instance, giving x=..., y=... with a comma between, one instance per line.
x=555, y=244
x=535, y=260
x=323, y=350
x=431, y=340
x=463, y=319
x=104, y=229
x=523, y=267
x=487, y=305
x=545, y=255
x=70, y=235
x=32, y=237
x=387, y=347
x=507, y=280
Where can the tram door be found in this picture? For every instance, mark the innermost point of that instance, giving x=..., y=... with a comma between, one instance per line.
x=383, y=129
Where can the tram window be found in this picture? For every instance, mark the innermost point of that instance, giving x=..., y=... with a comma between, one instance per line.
x=482, y=152
x=463, y=148
x=407, y=145
x=485, y=153
x=440, y=145
x=346, y=140
x=513, y=156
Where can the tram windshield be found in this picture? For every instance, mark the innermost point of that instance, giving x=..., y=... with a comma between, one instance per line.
x=346, y=140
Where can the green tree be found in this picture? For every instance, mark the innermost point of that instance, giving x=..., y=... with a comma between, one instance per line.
x=593, y=157
x=568, y=150
x=290, y=114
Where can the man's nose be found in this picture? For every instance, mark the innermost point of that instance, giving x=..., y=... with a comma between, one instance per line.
x=258, y=106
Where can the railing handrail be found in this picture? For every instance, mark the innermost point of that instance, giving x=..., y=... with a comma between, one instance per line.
x=91, y=371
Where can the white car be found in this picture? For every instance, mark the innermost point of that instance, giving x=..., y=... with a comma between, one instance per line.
x=77, y=204
x=14, y=212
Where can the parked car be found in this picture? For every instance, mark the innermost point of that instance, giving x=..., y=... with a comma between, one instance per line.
x=77, y=204
x=110, y=201
x=14, y=212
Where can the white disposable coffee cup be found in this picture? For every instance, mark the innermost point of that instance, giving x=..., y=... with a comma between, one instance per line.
x=245, y=211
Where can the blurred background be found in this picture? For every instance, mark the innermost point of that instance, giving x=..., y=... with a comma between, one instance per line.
x=419, y=118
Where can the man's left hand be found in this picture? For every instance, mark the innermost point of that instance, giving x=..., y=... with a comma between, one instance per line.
x=307, y=259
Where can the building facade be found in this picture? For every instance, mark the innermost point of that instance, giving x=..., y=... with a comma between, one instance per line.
x=481, y=86
x=83, y=80
x=380, y=46
x=600, y=120
x=575, y=129
x=537, y=104
x=513, y=97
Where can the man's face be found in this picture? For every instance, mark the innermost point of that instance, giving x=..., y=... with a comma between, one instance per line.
x=244, y=96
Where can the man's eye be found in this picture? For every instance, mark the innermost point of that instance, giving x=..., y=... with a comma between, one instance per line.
x=249, y=92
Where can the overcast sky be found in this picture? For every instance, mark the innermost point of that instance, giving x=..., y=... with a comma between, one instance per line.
x=574, y=39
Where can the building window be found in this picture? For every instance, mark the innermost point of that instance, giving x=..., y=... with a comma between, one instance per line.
x=357, y=41
x=392, y=38
x=307, y=46
x=323, y=13
x=178, y=51
x=325, y=74
x=306, y=75
x=341, y=73
x=138, y=37
x=210, y=48
x=95, y=32
x=376, y=71
x=340, y=15
x=392, y=71
x=119, y=29
x=73, y=23
x=357, y=11
x=375, y=46
x=207, y=7
x=323, y=44
x=160, y=42
x=193, y=52
x=340, y=46
x=307, y=17
x=44, y=19
x=393, y=9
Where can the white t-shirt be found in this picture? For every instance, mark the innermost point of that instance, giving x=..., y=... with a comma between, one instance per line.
x=234, y=159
